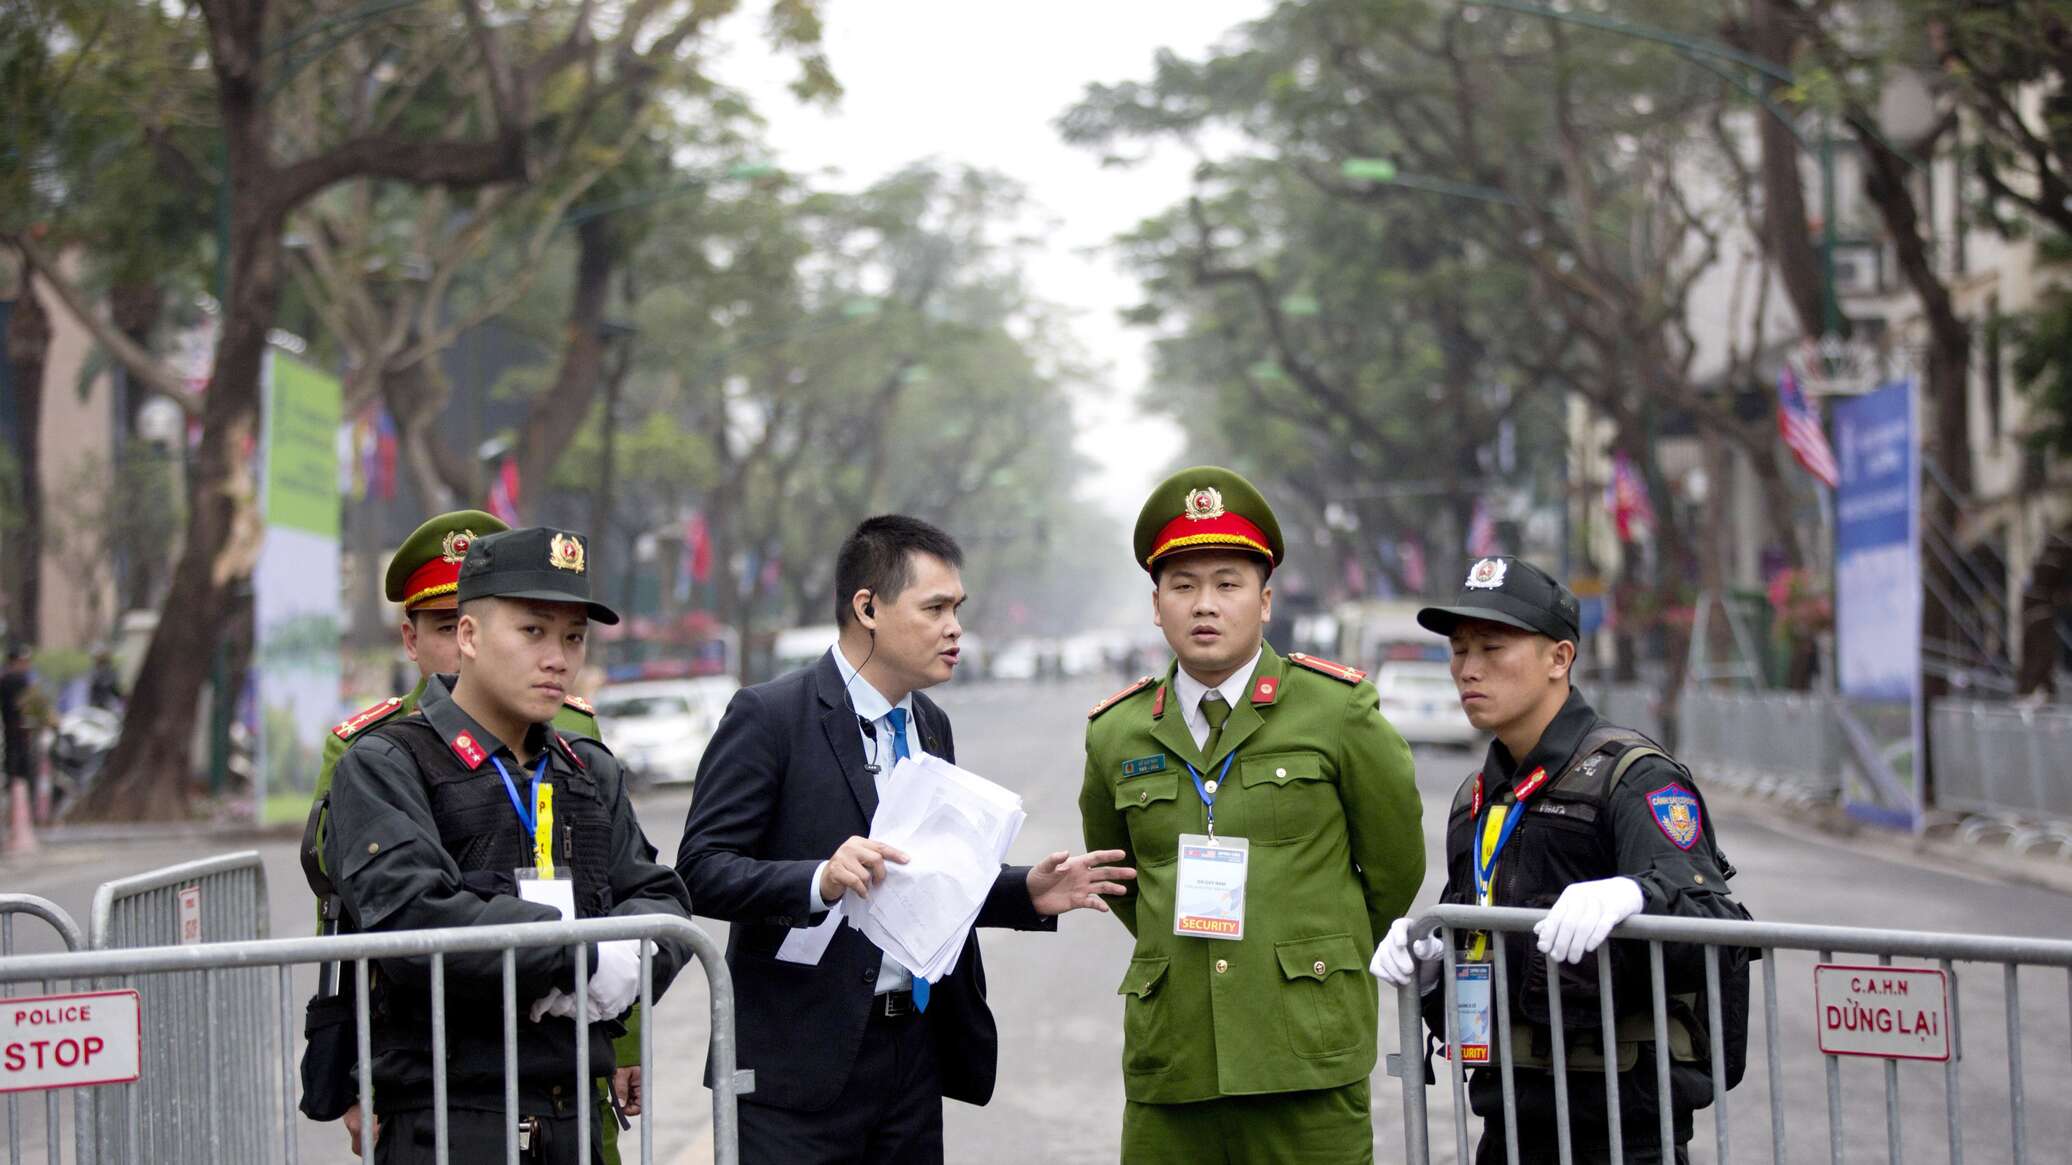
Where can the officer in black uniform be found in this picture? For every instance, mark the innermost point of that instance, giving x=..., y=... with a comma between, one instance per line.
x=473, y=811
x=1593, y=823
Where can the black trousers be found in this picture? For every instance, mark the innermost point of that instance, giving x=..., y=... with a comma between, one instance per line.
x=474, y=1137
x=889, y=1111
x=1640, y=1130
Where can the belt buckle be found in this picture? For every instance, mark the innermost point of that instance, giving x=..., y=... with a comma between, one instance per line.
x=528, y=1126
x=897, y=1004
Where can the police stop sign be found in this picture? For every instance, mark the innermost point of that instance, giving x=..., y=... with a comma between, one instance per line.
x=69, y=1041
x=1896, y=1013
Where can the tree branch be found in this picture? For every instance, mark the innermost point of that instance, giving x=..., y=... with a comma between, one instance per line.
x=134, y=359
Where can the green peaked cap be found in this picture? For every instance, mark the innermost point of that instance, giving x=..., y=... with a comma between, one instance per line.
x=1207, y=507
x=426, y=569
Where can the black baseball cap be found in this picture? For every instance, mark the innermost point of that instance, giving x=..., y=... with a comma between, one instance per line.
x=551, y=566
x=1515, y=593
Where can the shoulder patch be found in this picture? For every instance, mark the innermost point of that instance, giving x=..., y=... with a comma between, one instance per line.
x=1336, y=671
x=1141, y=683
x=370, y=715
x=1676, y=814
x=579, y=704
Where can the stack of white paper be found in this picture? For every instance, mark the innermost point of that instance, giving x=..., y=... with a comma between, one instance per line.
x=956, y=827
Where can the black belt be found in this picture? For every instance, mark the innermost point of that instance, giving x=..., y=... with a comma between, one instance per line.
x=894, y=1005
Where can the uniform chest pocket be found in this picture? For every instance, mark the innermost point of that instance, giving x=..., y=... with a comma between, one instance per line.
x=1151, y=808
x=1290, y=796
x=1551, y=851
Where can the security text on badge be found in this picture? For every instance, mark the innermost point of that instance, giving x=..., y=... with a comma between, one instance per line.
x=1894, y=1013
x=69, y=1041
x=1209, y=891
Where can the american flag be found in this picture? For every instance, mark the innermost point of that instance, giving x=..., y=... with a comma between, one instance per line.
x=1626, y=495
x=1799, y=423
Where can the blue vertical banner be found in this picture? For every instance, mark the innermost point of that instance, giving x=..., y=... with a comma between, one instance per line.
x=1878, y=594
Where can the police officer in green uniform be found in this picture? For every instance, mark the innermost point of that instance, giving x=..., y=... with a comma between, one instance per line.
x=429, y=829
x=1272, y=816
x=423, y=578
x=1593, y=823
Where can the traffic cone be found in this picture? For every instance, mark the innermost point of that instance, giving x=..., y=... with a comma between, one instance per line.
x=21, y=833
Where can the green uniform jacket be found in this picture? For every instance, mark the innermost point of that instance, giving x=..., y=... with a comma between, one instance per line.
x=1322, y=787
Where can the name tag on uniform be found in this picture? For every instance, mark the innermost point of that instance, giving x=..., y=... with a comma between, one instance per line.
x=1209, y=891
x=560, y=893
x=1473, y=1010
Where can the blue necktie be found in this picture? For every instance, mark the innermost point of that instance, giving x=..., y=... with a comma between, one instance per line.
x=898, y=717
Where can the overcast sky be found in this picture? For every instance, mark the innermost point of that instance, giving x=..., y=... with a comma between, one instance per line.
x=981, y=84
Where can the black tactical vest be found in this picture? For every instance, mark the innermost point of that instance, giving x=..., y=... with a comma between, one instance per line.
x=480, y=829
x=1558, y=843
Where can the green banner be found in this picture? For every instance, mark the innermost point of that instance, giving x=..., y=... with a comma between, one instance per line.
x=303, y=415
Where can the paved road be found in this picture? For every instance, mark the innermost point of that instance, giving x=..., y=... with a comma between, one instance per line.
x=1060, y=1098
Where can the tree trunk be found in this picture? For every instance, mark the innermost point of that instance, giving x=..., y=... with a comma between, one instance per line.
x=1787, y=237
x=135, y=309
x=555, y=416
x=146, y=777
x=28, y=347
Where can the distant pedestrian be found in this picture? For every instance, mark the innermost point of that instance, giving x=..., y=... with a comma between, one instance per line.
x=104, y=684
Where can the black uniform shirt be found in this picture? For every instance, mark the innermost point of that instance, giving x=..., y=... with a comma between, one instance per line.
x=394, y=873
x=1655, y=829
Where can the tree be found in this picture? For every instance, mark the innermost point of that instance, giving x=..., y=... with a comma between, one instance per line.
x=497, y=80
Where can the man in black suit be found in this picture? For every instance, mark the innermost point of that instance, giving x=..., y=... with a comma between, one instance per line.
x=852, y=1055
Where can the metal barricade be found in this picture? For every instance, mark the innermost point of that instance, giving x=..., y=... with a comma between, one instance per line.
x=211, y=900
x=82, y=1120
x=2001, y=759
x=133, y=967
x=1774, y=742
x=1783, y=1106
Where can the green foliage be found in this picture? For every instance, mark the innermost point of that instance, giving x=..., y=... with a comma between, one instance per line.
x=2043, y=369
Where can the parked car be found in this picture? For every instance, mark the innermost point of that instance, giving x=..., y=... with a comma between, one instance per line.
x=1419, y=698
x=659, y=728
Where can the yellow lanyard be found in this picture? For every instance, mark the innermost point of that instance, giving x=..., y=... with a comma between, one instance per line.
x=543, y=834
x=1492, y=830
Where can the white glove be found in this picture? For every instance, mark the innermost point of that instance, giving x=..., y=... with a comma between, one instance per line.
x=554, y=1002
x=1584, y=914
x=615, y=983
x=1397, y=959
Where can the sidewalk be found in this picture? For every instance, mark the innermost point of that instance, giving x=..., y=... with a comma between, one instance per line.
x=1940, y=847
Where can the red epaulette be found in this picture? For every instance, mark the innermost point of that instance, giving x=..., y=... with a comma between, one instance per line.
x=579, y=704
x=1120, y=696
x=1336, y=671
x=369, y=715
x=569, y=750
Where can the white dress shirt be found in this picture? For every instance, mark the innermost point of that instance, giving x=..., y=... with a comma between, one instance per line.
x=872, y=706
x=1191, y=691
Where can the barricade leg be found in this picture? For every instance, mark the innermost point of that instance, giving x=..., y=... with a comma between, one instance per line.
x=511, y=1057
x=1453, y=1059
x=1417, y=1149
x=1614, y=1113
x=1562, y=1139
x=1665, y=1109
x=1834, y=1094
x=1718, y=1050
x=1951, y=1097
x=647, y=1051
x=2015, y=1099
x=1502, y=990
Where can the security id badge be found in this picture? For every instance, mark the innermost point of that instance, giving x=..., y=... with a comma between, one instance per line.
x=1209, y=893
x=548, y=887
x=1473, y=1010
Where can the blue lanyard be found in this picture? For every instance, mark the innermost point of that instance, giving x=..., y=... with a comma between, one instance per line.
x=1484, y=873
x=529, y=819
x=1208, y=799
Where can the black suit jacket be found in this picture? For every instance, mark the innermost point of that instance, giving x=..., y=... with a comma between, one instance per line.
x=781, y=787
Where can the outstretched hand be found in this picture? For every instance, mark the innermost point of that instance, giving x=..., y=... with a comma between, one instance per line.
x=1061, y=882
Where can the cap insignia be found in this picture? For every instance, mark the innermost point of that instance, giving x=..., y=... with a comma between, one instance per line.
x=1204, y=503
x=1488, y=574
x=566, y=552
x=455, y=545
